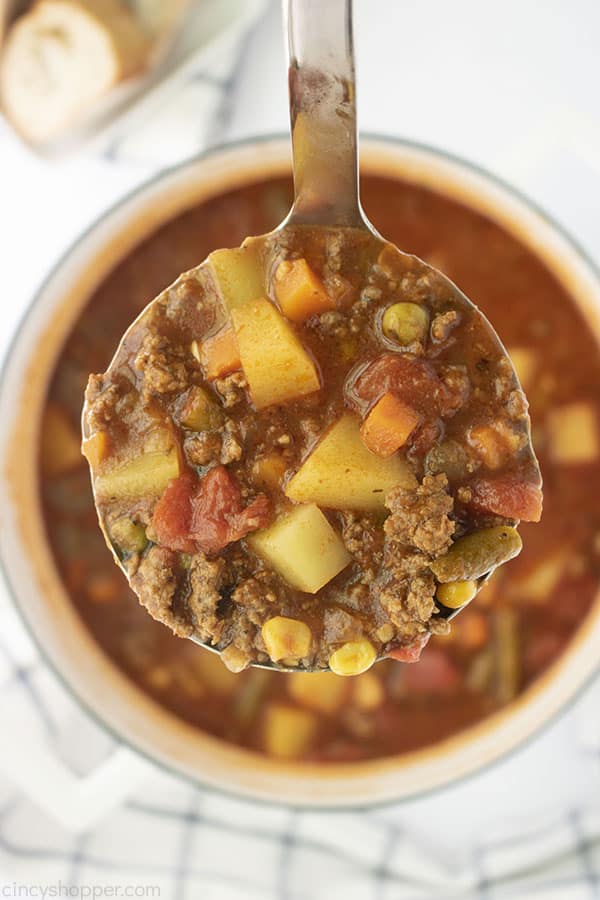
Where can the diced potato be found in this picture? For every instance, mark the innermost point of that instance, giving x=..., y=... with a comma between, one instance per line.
x=129, y=536
x=525, y=361
x=495, y=443
x=353, y=658
x=269, y=471
x=199, y=411
x=276, y=365
x=238, y=274
x=144, y=475
x=300, y=293
x=537, y=585
x=472, y=556
x=368, y=691
x=214, y=674
x=286, y=638
x=60, y=443
x=405, y=323
x=389, y=425
x=456, y=593
x=95, y=448
x=573, y=433
x=303, y=548
x=341, y=473
x=288, y=732
x=321, y=691
x=220, y=354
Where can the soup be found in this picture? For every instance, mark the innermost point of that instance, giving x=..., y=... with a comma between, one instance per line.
x=519, y=623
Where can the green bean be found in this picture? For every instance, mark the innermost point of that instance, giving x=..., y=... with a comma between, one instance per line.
x=472, y=556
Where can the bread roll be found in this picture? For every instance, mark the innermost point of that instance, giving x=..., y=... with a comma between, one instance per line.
x=63, y=56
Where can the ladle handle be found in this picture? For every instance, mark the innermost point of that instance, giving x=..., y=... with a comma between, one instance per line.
x=323, y=113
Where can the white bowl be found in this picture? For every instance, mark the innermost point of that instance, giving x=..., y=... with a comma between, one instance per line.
x=29, y=567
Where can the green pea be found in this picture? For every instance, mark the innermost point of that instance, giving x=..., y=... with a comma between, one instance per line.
x=405, y=323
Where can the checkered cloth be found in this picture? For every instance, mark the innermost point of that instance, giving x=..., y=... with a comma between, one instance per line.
x=99, y=822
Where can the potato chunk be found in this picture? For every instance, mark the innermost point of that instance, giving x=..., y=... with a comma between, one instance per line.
x=144, y=475
x=276, y=365
x=61, y=444
x=321, y=691
x=238, y=274
x=573, y=433
x=288, y=733
x=341, y=473
x=525, y=361
x=303, y=548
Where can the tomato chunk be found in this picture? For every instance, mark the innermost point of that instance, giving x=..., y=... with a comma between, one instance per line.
x=218, y=514
x=507, y=496
x=173, y=514
x=410, y=378
x=435, y=674
x=206, y=515
x=409, y=653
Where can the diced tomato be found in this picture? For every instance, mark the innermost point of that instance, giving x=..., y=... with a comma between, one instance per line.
x=435, y=674
x=507, y=496
x=207, y=514
x=173, y=514
x=218, y=516
x=412, y=379
x=409, y=653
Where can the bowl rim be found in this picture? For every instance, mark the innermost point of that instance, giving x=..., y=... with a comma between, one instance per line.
x=489, y=723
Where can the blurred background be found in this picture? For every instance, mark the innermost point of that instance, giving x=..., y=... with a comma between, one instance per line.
x=511, y=87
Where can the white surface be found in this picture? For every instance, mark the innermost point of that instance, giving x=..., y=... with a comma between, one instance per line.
x=511, y=85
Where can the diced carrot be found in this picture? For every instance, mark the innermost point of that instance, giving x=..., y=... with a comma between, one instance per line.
x=389, y=425
x=509, y=496
x=495, y=443
x=299, y=291
x=472, y=630
x=220, y=354
x=95, y=448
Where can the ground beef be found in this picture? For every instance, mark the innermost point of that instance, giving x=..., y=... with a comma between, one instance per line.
x=420, y=516
x=232, y=388
x=340, y=626
x=363, y=540
x=158, y=589
x=231, y=446
x=206, y=580
x=443, y=324
x=203, y=448
x=162, y=366
x=101, y=401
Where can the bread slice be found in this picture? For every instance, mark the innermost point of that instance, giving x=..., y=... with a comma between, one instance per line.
x=63, y=56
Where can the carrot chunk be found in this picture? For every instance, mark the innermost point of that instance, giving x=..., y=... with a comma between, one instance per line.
x=220, y=354
x=95, y=448
x=389, y=425
x=299, y=291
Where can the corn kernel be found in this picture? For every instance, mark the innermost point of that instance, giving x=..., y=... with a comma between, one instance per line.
x=285, y=637
x=368, y=691
x=288, y=732
x=405, y=323
x=321, y=691
x=353, y=658
x=455, y=594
